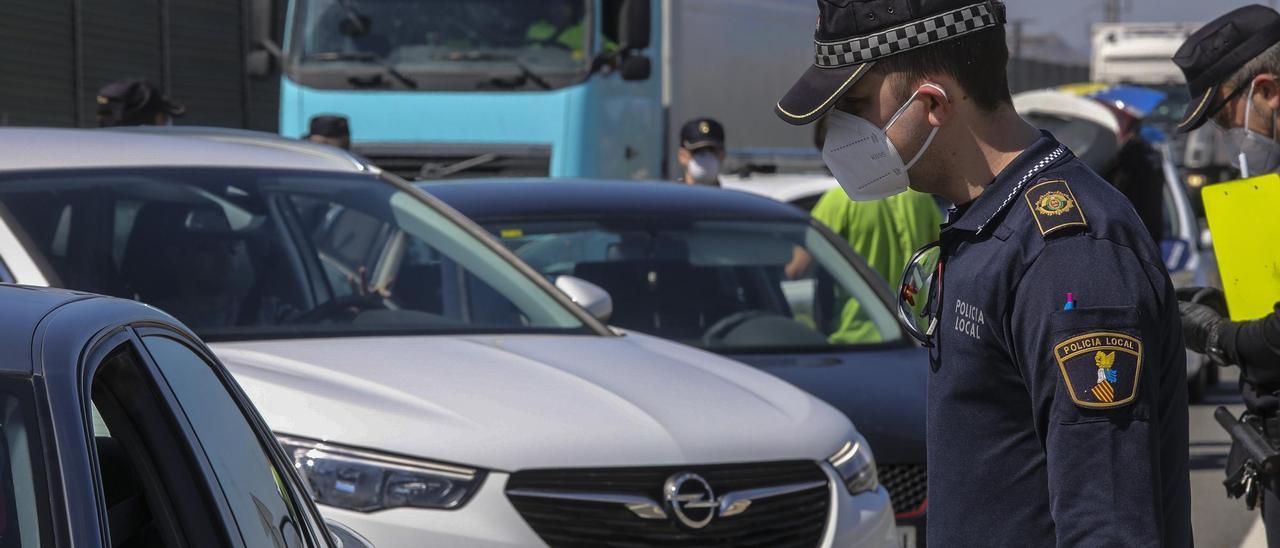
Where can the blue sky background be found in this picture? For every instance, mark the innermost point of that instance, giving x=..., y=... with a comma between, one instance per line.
x=1073, y=18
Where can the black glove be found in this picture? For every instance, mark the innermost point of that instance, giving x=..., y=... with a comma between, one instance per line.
x=1200, y=326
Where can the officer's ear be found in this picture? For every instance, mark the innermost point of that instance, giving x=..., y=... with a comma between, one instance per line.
x=1266, y=91
x=939, y=100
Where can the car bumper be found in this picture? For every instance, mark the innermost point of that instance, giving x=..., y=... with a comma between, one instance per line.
x=490, y=521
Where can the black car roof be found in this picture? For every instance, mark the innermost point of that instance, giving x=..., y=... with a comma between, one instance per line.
x=523, y=199
x=26, y=309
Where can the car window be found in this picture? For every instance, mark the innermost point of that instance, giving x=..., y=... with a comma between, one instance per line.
x=252, y=253
x=150, y=487
x=263, y=508
x=723, y=285
x=23, y=503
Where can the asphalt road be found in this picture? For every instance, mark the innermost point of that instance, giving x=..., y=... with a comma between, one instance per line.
x=1218, y=522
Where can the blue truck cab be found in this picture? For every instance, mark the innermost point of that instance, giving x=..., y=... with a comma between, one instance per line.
x=434, y=88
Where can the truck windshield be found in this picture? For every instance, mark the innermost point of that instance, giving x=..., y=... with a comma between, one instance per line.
x=238, y=253
x=508, y=43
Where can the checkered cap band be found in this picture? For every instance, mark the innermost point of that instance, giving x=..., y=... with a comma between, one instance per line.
x=909, y=36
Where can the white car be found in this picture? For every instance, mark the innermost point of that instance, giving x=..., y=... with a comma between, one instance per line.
x=431, y=389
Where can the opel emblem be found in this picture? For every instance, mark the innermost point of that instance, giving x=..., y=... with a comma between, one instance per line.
x=691, y=500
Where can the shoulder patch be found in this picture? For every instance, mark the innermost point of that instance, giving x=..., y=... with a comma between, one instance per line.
x=1054, y=206
x=1101, y=369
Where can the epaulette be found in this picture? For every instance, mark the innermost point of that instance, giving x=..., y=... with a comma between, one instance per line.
x=1054, y=207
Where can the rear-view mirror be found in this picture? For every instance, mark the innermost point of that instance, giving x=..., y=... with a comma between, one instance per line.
x=634, y=25
x=636, y=68
x=591, y=297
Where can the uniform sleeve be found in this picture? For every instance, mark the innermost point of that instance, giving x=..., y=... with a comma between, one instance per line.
x=1255, y=346
x=1092, y=376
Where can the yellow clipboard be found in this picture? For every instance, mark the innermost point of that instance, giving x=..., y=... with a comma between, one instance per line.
x=1244, y=218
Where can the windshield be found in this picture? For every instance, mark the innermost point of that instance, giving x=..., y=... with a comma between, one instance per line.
x=511, y=44
x=247, y=254
x=721, y=285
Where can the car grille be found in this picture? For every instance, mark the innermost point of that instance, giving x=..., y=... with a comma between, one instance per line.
x=907, y=486
x=795, y=519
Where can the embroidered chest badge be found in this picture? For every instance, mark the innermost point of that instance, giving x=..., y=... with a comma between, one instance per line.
x=1054, y=206
x=1101, y=369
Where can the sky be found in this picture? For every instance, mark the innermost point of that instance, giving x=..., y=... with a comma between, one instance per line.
x=1072, y=19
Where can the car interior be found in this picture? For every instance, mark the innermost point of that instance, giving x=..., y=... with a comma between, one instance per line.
x=227, y=262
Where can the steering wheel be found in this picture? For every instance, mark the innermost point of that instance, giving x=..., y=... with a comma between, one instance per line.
x=345, y=308
x=719, y=330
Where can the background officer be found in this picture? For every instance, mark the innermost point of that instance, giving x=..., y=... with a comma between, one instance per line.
x=330, y=129
x=1232, y=65
x=702, y=152
x=1057, y=411
x=135, y=103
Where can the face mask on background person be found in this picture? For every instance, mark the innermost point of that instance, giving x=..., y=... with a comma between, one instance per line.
x=704, y=167
x=1259, y=154
x=863, y=159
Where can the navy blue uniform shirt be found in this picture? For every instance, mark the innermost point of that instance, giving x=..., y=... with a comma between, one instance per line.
x=1049, y=424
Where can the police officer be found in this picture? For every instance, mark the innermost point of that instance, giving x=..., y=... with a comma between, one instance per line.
x=135, y=103
x=1057, y=410
x=330, y=129
x=1232, y=67
x=702, y=152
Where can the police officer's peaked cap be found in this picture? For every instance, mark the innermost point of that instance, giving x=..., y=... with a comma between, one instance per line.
x=853, y=34
x=133, y=102
x=330, y=125
x=1218, y=50
x=702, y=133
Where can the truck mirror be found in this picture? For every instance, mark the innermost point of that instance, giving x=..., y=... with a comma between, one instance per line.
x=636, y=68
x=634, y=25
x=263, y=16
x=259, y=63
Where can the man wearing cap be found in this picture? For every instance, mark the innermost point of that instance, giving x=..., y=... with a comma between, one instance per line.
x=1232, y=67
x=330, y=129
x=135, y=103
x=701, y=151
x=1057, y=410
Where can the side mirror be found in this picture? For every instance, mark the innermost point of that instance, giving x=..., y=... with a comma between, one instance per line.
x=636, y=68
x=634, y=25
x=591, y=297
x=1206, y=239
x=259, y=63
x=344, y=537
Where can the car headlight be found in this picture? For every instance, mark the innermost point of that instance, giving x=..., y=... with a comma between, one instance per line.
x=857, y=467
x=365, y=481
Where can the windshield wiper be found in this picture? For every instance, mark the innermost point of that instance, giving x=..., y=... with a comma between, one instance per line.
x=365, y=57
x=526, y=74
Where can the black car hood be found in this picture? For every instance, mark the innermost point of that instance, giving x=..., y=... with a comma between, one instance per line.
x=882, y=391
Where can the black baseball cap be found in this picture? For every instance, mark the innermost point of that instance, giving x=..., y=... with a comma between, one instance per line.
x=330, y=125
x=853, y=34
x=702, y=133
x=1219, y=49
x=132, y=103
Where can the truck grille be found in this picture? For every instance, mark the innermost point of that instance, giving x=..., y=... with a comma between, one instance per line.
x=794, y=519
x=907, y=486
x=414, y=162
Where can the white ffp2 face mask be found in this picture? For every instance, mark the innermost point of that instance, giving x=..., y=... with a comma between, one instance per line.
x=1259, y=154
x=863, y=159
x=704, y=168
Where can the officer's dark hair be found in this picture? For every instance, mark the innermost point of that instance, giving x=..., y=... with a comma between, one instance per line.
x=1267, y=62
x=977, y=61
